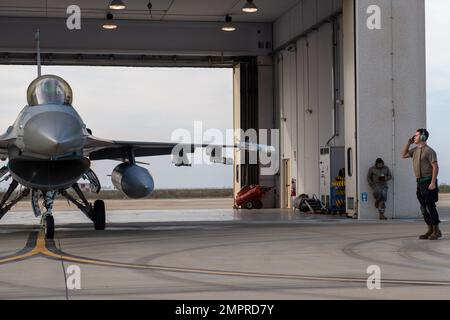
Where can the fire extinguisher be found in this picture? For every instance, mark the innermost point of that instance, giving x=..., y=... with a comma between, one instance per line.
x=293, y=188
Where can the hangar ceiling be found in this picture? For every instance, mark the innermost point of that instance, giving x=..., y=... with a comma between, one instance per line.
x=177, y=33
x=162, y=10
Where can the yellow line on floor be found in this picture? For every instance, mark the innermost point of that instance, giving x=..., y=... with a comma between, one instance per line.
x=39, y=248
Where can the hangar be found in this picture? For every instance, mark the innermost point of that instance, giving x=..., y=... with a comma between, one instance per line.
x=343, y=80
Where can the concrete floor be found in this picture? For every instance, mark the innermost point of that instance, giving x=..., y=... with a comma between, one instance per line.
x=233, y=255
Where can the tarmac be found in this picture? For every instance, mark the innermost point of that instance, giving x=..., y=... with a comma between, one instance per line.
x=185, y=252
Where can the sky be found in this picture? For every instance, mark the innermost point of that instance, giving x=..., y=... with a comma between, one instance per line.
x=148, y=104
x=139, y=104
x=438, y=81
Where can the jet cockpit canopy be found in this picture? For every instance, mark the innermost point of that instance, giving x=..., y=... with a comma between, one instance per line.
x=49, y=89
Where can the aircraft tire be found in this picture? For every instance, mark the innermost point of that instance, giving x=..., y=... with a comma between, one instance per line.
x=49, y=227
x=99, y=215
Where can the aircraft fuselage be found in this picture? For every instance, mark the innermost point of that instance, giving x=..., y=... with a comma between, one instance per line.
x=47, y=152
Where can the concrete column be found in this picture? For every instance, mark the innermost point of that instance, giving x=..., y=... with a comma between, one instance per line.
x=390, y=96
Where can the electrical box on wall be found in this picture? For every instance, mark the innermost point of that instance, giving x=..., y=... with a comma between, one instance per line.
x=332, y=163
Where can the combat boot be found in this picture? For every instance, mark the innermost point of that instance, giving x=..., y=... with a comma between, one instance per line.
x=382, y=216
x=428, y=234
x=436, y=233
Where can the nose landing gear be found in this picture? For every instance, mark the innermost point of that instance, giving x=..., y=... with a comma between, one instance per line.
x=48, y=224
x=47, y=220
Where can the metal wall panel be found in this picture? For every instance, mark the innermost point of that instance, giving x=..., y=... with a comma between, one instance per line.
x=302, y=17
x=312, y=125
x=283, y=100
x=302, y=98
x=292, y=117
x=309, y=13
x=306, y=99
x=324, y=9
x=278, y=85
x=325, y=83
x=288, y=112
x=340, y=140
x=296, y=21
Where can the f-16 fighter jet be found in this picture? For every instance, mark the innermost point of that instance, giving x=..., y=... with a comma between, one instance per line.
x=49, y=149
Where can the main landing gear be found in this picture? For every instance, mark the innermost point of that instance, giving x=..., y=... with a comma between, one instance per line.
x=95, y=212
x=42, y=202
x=6, y=204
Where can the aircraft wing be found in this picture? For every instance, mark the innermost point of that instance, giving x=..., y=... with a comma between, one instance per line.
x=100, y=149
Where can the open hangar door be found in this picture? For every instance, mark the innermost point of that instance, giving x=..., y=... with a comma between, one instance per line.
x=363, y=87
x=253, y=110
x=173, y=44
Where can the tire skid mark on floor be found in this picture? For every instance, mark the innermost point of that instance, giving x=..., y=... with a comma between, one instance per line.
x=48, y=249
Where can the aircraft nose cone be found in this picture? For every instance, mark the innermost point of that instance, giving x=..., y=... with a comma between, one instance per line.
x=53, y=134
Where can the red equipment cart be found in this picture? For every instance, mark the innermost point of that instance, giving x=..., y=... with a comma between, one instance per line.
x=250, y=197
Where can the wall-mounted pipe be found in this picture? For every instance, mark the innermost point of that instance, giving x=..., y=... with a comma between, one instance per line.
x=336, y=75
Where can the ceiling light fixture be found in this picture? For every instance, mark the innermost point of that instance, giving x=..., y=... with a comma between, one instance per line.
x=109, y=23
x=228, y=26
x=250, y=7
x=117, y=5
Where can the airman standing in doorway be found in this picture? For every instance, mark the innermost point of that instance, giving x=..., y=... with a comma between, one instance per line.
x=378, y=177
x=426, y=169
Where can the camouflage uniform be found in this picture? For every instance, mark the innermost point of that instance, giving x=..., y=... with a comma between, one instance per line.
x=377, y=178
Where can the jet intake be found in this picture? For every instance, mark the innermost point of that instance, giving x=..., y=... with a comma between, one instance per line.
x=132, y=180
x=48, y=175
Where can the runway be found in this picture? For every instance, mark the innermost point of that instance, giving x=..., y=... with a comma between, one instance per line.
x=252, y=255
